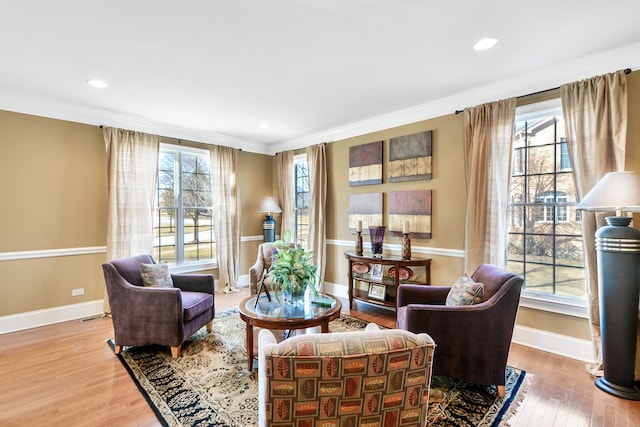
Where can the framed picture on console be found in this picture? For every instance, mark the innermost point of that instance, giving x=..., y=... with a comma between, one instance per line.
x=377, y=291
x=376, y=272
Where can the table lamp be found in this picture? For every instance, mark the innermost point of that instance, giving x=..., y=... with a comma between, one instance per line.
x=618, y=258
x=269, y=206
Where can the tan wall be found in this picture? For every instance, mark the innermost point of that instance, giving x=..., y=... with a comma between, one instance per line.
x=448, y=201
x=449, y=204
x=54, y=196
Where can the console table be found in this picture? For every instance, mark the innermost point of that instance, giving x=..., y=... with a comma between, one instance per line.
x=374, y=272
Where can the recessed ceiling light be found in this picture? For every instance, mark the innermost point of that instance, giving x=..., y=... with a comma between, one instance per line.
x=96, y=83
x=485, y=44
x=263, y=125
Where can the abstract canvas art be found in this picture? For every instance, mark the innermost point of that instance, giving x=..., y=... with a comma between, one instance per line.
x=412, y=206
x=410, y=157
x=365, y=164
x=365, y=207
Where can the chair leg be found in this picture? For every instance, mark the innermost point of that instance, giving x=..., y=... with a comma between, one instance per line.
x=117, y=349
x=501, y=390
x=210, y=325
x=175, y=351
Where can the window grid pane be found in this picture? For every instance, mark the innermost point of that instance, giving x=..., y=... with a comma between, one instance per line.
x=183, y=218
x=545, y=238
x=302, y=203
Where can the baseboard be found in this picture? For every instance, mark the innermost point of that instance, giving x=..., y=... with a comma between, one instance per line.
x=34, y=319
x=562, y=345
x=550, y=342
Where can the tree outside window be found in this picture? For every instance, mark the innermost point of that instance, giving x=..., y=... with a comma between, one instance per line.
x=183, y=220
x=545, y=237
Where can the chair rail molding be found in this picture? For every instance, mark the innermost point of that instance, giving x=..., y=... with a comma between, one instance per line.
x=50, y=253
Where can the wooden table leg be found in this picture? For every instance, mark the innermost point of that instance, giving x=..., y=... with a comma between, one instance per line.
x=249, y=345
x=324, y=328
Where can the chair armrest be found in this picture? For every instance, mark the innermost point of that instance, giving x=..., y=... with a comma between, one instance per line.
x=266, y=341
x=194, y=282
x=421, y=294
x=255, y=274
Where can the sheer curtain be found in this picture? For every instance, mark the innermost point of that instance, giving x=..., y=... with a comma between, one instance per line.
x=224, y=187
x=286, y=192
x=132, y=167
x=317, y=160
x=595, y=115
x=488, y=145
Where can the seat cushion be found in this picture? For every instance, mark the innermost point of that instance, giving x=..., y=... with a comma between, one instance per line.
x=465, y=292
x=195, y=303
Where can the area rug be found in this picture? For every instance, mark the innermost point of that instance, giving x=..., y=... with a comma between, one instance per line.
x=209, y=384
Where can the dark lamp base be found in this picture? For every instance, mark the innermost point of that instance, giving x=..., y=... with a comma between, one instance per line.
x=630, y=393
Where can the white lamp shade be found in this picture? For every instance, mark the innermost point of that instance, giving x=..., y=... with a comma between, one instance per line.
x=268, y=205
x=616, y=191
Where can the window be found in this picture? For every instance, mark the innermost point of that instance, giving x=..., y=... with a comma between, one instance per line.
x=183, y=217
x=545, y=237
x=301, y=185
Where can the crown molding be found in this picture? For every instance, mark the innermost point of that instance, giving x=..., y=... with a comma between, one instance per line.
x=627, y=56
x=97, y=117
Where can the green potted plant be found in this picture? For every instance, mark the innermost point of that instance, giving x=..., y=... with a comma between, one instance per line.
x=291, y=271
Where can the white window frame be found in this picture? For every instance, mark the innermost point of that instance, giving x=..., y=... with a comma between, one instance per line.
x=297, y=159
x=191, y=266
x=576, y=307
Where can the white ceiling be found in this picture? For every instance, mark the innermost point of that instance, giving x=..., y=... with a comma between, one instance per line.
x=314, y=70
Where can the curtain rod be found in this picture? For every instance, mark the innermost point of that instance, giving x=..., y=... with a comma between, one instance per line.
x=626, y=71
x=180, y=141
x=301, y=148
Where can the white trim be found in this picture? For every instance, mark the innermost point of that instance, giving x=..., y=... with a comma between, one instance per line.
x=50, y=253
x=49, y=316
x=423, y=250
x=562, y=307
x=538, y=80
x=550, y=342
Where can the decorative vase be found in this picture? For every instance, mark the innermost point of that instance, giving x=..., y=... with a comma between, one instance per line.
x=377, y=236
x=359, y=243
x=294, y=297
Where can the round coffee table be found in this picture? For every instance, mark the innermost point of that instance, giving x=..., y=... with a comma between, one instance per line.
x=271, y=314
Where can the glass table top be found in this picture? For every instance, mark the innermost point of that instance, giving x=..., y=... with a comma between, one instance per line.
x=308, y=308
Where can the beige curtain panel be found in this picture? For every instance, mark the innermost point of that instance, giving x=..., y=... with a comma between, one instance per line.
x=317, y=160
x=595, y=115
x=132, y=167
x=488, y=146
x=226, y=224
x=286, y=192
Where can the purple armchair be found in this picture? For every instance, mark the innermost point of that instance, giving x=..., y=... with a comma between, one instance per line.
x=161, y=316
x=473, y=340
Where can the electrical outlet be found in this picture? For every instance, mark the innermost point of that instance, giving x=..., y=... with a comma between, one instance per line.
x=77, y=292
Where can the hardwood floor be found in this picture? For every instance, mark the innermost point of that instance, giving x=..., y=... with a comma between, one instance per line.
x=66, y=375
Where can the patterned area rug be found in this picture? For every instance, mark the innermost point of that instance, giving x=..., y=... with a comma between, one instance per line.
x=209, y=384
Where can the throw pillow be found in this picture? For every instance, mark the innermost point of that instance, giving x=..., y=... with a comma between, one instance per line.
x=465, y=292
x=156, y=275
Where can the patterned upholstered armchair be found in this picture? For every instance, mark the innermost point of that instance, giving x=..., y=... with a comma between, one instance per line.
x=473, y=340
x=156, y=315
x=262, y=264
x=370, y=377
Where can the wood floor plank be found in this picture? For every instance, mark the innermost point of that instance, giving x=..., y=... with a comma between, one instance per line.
x=66, y=375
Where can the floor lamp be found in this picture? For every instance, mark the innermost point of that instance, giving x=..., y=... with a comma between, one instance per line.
x=269, y=206
x=618, y=257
